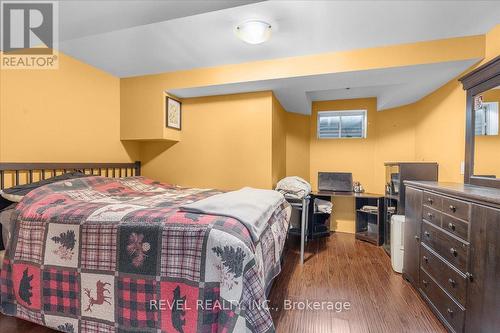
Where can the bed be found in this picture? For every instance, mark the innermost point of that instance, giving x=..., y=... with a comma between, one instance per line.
x=102, y=254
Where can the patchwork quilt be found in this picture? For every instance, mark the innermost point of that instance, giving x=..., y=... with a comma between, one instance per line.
x=102, y=255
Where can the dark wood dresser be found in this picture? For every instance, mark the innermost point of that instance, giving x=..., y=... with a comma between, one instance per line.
x=452, y=252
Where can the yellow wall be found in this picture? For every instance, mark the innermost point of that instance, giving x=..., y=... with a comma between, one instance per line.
x=226, y=143
x=279, y=141
x=440, y=130
x=297, y=145
x=71, y=114
x=492, y=43
x=1, y=112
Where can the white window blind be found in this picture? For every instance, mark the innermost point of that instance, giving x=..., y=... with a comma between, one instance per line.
x=342, y=124
x=487, y=119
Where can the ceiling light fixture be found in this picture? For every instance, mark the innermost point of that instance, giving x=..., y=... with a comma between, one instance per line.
x=254, y=32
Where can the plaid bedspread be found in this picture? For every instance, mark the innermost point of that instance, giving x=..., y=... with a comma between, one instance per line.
x=102, y=255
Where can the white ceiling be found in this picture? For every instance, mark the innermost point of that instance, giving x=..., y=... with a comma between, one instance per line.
x=299, y=28
x=84, y=18
x=392, y=86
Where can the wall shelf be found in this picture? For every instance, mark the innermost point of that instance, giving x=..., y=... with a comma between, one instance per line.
x=140, y=126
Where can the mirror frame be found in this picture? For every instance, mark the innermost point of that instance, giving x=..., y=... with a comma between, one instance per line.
x=479, y=80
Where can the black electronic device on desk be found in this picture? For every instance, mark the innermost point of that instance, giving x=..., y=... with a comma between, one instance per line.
x=335, y=181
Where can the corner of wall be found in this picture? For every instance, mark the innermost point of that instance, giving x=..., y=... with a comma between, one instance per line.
x=278, y=150
x=226, y=143
x=297, y=145
x=492, y=43
x=69, y=114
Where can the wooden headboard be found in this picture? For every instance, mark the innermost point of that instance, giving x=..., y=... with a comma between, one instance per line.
x=12, y=174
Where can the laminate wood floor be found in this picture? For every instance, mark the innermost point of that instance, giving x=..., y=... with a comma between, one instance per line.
x=338, y=269
x=342, y=269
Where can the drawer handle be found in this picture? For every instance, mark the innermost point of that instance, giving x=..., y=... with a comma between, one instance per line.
x=417, y=238
x=427, y=234
x=453, y=208
x=452, y=282
x=425, y=258
x=454, y=252
x=451, y=226
x=430, y=216
x=425, y=282
x=429, y=200
x=450, y=311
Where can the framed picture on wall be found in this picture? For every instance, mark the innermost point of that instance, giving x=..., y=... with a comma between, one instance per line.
x=173, y=113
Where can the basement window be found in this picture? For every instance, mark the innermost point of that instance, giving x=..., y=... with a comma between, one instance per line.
x=342, y=124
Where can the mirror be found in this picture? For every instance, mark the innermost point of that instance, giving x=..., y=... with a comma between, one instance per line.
x=486, y=133
x=482, y=139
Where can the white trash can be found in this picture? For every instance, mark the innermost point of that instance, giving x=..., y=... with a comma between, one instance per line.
x=397, y=242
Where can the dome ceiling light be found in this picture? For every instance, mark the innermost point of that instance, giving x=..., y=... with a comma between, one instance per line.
x=254, y=32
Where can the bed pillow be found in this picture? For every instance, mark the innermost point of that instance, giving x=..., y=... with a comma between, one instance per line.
x=6, y=225
x=11, y=197
x=16, y=193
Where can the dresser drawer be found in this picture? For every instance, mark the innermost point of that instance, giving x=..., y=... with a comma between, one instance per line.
x=455, y=226
x=433, y=200
x=456, y=208
x=448, y=278
x=452, y=312
x=447, y=246
x=431, y=215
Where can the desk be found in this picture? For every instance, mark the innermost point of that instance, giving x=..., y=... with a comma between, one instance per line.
x=304, y=204
x=369, y=224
